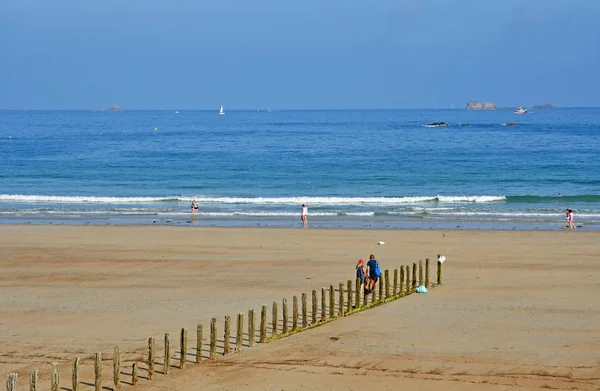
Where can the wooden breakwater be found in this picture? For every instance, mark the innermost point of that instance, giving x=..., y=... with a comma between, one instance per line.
x=337, y=300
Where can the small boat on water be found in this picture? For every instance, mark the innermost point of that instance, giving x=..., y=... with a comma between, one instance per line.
x=221, y=112
x=520, y=110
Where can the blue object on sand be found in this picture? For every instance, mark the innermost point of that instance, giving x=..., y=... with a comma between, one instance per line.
x=421, y=289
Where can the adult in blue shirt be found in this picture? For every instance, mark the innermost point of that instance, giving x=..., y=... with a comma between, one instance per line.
x=372, y=271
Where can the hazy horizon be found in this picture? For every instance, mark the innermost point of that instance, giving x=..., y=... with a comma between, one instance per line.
x=335, y=55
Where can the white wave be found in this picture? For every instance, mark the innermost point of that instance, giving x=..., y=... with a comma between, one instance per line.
x=251, y=200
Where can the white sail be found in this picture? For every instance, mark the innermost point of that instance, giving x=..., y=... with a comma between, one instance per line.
x=221, y=112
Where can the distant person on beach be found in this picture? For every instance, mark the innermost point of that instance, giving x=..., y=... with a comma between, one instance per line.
x=569, y=220
x=304, y=215
x=373, y=272
x=361, y=273
x=194, y=206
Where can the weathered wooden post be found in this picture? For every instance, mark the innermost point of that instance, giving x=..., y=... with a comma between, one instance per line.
x=251, y=325
x=341, y=300
x=380, y=283
x=427, y=273
x=239, y=338
x=407, y=279
x=263, y=325
x=11, y=382
x=414, y=276
x=314, y=307
x=213, y=339
x=134, y=374
x=227, y=335
x=331, y=301
x=323, y=304
x=401, y=287
x=98, y=372
x=420, y=272
x=151, y=357
x=284, y=316
x=183, y=348
x=304, y=311
x=439, y=271
x=167, y=360
x=349, y=299
x=199, y=340
x=359, y=294
x=116, y=369
x=395, y=282
x=274, y=320
x=387, y=283
x=33, y=381
x=55, y=378
x=374, y=293
x=294, y=313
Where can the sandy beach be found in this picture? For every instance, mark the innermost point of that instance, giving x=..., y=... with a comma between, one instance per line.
x=516, y=310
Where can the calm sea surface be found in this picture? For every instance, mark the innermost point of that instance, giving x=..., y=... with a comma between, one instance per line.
x=379, y=169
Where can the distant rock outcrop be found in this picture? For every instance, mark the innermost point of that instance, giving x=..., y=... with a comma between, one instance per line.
x=478, y=105
x=114, y=108
x=545, y=106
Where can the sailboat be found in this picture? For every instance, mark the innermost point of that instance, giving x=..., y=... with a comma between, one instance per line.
x=221, y=112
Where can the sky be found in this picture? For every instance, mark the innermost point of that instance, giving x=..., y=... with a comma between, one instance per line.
x=310, y=54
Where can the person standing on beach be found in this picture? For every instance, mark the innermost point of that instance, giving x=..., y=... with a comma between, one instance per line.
x=194, y=206
x=304, y=215
x=373, y=272
x=571, y=220
x=361, y=273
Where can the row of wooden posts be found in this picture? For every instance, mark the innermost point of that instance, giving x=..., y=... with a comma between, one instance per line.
x=401, y=285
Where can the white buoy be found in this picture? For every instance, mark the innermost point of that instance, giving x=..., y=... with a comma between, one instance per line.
x=155, y=128
x=380, y=243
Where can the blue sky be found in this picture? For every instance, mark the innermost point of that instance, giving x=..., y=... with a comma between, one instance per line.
x=74, y=54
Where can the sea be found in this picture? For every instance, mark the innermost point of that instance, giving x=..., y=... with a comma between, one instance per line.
x=368, y=169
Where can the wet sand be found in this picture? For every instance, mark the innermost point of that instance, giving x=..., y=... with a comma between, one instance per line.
x=517, y=309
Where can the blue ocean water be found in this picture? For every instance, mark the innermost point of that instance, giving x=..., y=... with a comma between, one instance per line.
x=380, y=169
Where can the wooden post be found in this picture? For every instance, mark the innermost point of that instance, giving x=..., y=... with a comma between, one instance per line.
x=294, y=313
x=414, y=276
x=349, y=300
x=439, y=271
x=117, y=369
x=134, y=374
x=359, y=294
x=11, y=382
x=304, y=311
x=167, y=360
x=183, y=348
x=314, y=306
x=213, y=339
x=251, y=325
x=395, y=282
x=366, y=298
x=98, y=372
x=263, y=325
x=151, y=357
x=427, y=273
x=55, y=378
x=387, y=283
x=227, y=335
x=274, y=320
x=33, y=381
x=401, y=287
x=420, y=272
x=284, y=316
x=199, y=340
x=380, y=283
x=331, y=301
x=373, y=293
x=239, y=339
x=407, y=279
x=323, y=304
x=341, y=299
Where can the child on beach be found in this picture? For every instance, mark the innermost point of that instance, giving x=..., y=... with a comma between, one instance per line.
x=304, y=215
x=569, y=220
x=361, y=273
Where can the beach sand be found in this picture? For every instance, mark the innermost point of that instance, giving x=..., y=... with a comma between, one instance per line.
x=516, y=310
